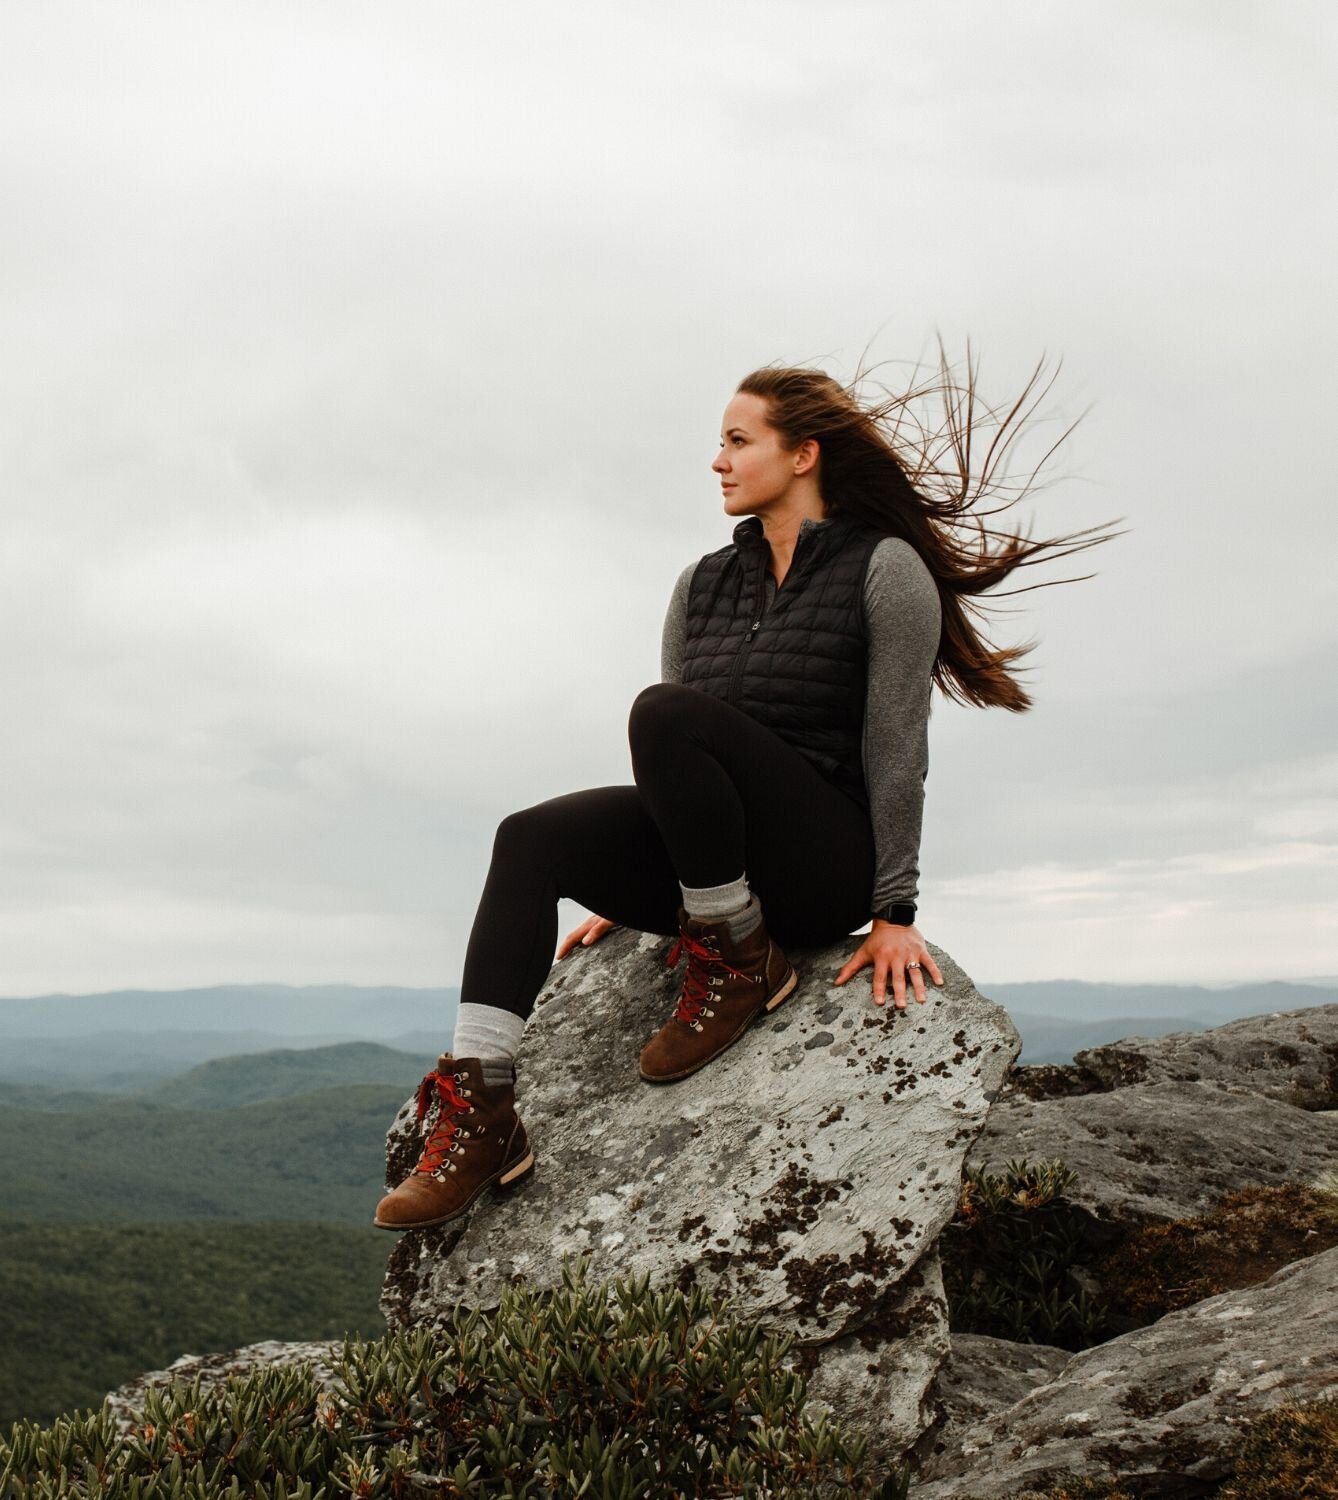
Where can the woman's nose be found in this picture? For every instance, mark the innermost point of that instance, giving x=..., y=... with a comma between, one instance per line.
x=719, y=463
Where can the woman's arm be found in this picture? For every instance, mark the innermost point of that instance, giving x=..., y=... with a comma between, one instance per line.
x=901, y=610
x=903, y=618
x=675, y=633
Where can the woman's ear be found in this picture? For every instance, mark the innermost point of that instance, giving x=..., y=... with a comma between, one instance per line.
x=806, y=457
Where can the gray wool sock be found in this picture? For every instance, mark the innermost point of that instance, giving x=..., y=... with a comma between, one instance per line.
x=733, y=900
x=492, y=1035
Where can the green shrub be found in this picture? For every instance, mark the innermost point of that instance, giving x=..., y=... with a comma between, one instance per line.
x=1007, y=1256
x=607, y=1392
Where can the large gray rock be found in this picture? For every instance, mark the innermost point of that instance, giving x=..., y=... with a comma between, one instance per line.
x=1164, y=1405
x=1161, y=1150
x=804, y=1174
x=1290, y=1056
x=983, y=1375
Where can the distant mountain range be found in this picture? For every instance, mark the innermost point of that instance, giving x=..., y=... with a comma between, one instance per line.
x=374, y=1014
x=129, y=1041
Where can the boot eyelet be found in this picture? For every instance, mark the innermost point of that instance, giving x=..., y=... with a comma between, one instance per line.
x=450, y=1166
x=708, y=1012
x=472, y=1110
x=696, y=1025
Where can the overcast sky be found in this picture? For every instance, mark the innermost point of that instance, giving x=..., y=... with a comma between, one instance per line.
x=361, y=367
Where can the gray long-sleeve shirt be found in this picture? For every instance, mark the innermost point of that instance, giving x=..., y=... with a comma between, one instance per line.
x=901, y=610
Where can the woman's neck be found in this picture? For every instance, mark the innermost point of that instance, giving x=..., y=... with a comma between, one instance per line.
x=782, y=532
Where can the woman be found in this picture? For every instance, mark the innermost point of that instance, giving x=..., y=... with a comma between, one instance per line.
x=779, y=765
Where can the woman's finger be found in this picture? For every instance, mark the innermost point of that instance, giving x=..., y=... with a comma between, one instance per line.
x=917, y=982
x=880, y=981
x=853, y=965
x=899, y=984
x=933, y=968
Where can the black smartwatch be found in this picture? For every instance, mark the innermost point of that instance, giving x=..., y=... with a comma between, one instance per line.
x=900, y=912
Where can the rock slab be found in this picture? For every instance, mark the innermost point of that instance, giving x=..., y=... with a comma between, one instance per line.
x=1166, y=1150
x=1162, y=1406
x=1290, y=1056
x=804, y=1174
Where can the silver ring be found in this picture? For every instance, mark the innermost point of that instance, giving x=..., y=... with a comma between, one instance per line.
x=912, y=966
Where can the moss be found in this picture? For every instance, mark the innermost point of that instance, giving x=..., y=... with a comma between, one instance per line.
x=1290, y=1453
x=1073, y=1487
x=1247, y=1236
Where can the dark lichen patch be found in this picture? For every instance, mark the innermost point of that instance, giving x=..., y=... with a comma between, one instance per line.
x=796, y=1199
x=819, y=1039
x=691, y=1222
x=833, y=1115
x=857, y=1282
x=1140, y=1403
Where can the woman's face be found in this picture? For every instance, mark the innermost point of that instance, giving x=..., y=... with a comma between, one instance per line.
x=755, y=471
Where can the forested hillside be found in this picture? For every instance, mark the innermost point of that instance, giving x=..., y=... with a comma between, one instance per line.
x=84, y=1307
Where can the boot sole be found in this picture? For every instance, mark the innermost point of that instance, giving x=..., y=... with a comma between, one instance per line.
x=511, y=1177
x=783, y=990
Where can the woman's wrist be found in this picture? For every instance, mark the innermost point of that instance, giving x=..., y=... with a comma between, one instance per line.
x=899, y=913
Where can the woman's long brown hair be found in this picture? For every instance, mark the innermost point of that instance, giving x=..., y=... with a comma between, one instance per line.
x=885, y=464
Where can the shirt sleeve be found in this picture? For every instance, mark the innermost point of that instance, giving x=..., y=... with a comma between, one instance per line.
x=675, y=635
x=903, y=618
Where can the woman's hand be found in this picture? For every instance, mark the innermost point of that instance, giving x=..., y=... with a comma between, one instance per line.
x=892, y=949
x=590, y=931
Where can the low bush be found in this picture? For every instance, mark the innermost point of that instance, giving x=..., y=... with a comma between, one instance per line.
x=1008, y=1254
x=610, y=1392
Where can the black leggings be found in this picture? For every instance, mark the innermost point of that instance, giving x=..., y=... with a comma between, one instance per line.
x=717, y=795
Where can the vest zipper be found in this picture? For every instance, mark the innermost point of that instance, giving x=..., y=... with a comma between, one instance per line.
x=736, y=676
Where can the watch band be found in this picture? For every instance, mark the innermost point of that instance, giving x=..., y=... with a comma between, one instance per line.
x=900, y=912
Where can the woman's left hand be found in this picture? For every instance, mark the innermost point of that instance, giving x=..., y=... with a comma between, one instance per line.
x=897, y=951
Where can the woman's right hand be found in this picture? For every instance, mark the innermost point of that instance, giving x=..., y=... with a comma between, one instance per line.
x=590, y=931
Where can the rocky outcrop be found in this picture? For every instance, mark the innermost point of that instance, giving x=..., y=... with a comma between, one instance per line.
x=1162, y=1150
x=1290, y=1056
x=1161, y=1407
x=805, y=1174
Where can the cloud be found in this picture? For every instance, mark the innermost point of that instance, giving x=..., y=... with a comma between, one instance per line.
x=362, y=371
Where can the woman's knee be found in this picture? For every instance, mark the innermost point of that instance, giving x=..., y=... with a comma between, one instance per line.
x=658, y=713
x=524, y=834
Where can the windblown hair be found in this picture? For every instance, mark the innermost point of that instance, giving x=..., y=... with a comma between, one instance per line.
x=888, y=465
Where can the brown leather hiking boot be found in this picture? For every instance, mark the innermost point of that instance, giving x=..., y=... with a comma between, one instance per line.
x=729, y=983
x=473, y=1137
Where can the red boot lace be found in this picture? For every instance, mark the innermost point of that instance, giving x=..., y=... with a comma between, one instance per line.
x=697, y=988
x=450, y=1104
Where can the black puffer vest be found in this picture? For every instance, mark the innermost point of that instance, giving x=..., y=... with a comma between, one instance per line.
x=800, y=668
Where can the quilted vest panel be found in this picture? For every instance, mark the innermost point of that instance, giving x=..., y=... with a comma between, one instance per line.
x=800, y=668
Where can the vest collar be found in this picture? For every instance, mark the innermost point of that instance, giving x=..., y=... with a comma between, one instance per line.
x=749, y=531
